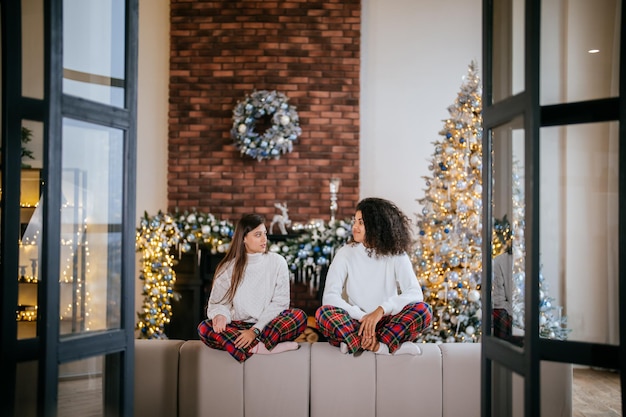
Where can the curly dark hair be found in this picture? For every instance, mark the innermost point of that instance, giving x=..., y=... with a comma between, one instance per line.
x=387, y=228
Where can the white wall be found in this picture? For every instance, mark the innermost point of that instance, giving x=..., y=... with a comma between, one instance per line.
x=153, y=105
x=414, y=55
x=152, y=118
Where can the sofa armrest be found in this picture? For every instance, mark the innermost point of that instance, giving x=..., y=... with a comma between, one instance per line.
x=156, y=377
x=461, y=379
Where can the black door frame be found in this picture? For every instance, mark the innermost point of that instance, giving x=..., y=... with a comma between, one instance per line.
x=526, y=361
x=48, y=349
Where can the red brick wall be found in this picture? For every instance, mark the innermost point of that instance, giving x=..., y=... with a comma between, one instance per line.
x=223, y=50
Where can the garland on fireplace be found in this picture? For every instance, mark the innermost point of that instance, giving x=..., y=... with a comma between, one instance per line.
x=315, y=244
x=157, y=236
x=270, y=108
x=160, y=236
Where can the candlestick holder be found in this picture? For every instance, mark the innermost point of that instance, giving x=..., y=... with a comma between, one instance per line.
x=334, y=189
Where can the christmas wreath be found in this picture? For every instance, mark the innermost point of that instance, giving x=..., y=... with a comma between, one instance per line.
x=281, y=130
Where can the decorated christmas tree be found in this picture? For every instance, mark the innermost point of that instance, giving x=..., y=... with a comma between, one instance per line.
x=552, y=323
x=448, y=259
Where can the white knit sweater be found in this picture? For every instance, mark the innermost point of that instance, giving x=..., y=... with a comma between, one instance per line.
x=261, y=296
x=370, y=281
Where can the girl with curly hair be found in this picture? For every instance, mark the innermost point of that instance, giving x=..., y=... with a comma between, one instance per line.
x=372, y=300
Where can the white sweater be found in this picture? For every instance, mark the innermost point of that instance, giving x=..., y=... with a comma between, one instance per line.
x=370, y=281
x=262, y=295
x=502, y=295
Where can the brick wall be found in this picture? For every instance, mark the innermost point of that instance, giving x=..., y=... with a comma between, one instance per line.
x=223, y=50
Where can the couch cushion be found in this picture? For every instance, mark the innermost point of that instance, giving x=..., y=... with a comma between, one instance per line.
x=461, y=379
x=156, y=377
x=409, y=385
x=210, y=382
x=278, y=385
x=342, y=385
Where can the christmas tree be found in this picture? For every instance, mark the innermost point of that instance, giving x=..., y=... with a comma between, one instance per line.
x=447, y=257
x=552, y=323
x=448, y=260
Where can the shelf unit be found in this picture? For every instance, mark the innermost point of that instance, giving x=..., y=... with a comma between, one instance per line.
x=73, y=254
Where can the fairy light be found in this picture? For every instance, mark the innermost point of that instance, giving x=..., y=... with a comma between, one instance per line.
x=154, y=240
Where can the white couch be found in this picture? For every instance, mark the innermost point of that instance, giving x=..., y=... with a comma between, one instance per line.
x=186, y=379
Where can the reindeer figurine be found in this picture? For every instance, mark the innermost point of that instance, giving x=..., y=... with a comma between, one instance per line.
x=282, y=219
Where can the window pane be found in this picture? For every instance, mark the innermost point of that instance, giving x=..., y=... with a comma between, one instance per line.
x=503, y=400
x=508, y=48
x=580, y=43
x=91, y=227
x=93, y=50
x=81, y=388
x=29, y=274
x=578, y=239
x=508, y=280
x=32, y=48
x=555, y=391
x=26, y=375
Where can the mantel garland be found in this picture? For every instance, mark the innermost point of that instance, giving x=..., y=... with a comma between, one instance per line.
x=270, y=106
x=156, y=237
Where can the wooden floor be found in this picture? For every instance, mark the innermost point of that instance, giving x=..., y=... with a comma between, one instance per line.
x=596, y=393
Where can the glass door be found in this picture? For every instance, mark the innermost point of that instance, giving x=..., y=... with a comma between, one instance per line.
x=552, y=108
x=68, y=202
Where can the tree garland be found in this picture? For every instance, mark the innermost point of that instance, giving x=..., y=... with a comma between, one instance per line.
x=271, y=107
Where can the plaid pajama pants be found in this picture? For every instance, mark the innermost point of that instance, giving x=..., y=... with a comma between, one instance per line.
x=502, y=323
x=287, y=326
x=337, y=326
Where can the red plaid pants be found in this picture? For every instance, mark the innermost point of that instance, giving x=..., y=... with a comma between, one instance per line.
x=502, y=323
x=337, y=326
x=287, y=326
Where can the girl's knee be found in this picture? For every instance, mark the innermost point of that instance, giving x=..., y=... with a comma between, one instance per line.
x=420, y=307
x=319, y=312
x=299, y=314
x=205, y=327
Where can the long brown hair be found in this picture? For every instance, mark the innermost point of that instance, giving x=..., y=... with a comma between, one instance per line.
x=237, y=253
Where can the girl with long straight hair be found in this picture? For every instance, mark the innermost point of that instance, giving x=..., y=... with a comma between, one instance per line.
x=248, y=309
